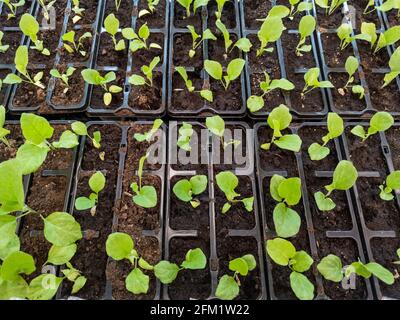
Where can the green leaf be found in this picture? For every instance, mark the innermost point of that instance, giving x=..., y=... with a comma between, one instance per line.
x=183, y=190
x=235, y=68
x=29, y=26
x=166, y=272
x=227, y=182
x=273, y=187
x=111, y=24
x=207, y=95
x=146, y=197
x=199, y=184
x=358, y=131
x=251, y=261
x=35, y=129
x=119, y=246
x=214, y=69
x=84, y=203
x=279, y=118
x=15, y=264
x=227, y=288
x=380, y=272
x=137, y=282
x=12, y=196
x=280, y=251
x=301, y=262
x=344, y=176
x=30, y=157
x=144, y=32
x=335, y=125
x=291, y=142
x=216, y=125
x=239, y=265
x=393, y=180
x=21, y=59
x=44, y=287
x=381, y=121
x=287, y=221
x=17, y=288
x=68, y=140
x=318, y=152
x=324, y=203
x=255, y=103
x=145, y=265
x=195, y=259
x=290, y=190
x=79, y=128
x=61, y=229
x=351, y=65
x=248, y=203
x=92, y=76
x=9, y=244
x=79, y=283
x=97, y=182
x=61, y=255
x=331, y=268
x=306, y=26
x=301, y=286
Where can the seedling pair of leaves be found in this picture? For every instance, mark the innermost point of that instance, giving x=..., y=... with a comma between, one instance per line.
x=346, y=36
x=351, y=67
x=229, y=286
x=197, y=40
x=185, y=135
x=93, y=77
x=394, y=65
x=75, y=46
x=344, y=177
x=30, y=27
x=392, y=183
x=64, y=77
x=256, y=103
x=46, y=8
x=81, y=130
x=78, y=11
x=151, y=5
x=97, y=183
x=233, y=71
x=386, y=38
x=242, y=44
x=283, y=253
x=13, y=7
x=297, y=6
x=380, y=122
x=331, y=269
x=227, y=183
x=335, y=129
x=3, y=47
x=216, y=125
x=138, y=80
x=185, y=189
x=148, y=136
x=3, y=131
x=187, y=4
x=330, y=5
x=204, y=93
x=271, y=30
x=311, y=78
x=306, y=29
x=279, y=119
x=390, y=5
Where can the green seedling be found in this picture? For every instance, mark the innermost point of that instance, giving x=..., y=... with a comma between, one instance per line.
x=233, y=71
x=97, y=183
x=330, y=6
x=256, y=103
x=229, y=286
x=139, y=40
x=297, y=6
x=63, y=76
x=151, y=8
x=81, y=130
x=283, y=253
x=344, y=177
x=111, y=24
x=286, y=191
x=335, y=129
x=93, y=77
x=3, y=131
x=271, y=30
x=117, y=4
x=13, y=6
x=196, y=4
x=185, y=189
x=243, y=44
x=30, y=27
x=46, y=6
x=380, y=122
x=386, y=38
x=306, y=29
x=227, y=183
x=351, y=67
x=204, y=93
x=279, y=119
x=311, y=79
x=391, y=184
x=75, y=47
x=78, y=11
x=75, y=276
x=3, y=47
x=185, y=135
x=148, y=136
x=390, y=5
x=345, y=34
x=197, y=40
x=216, y=125
x=394, y=65
x=220, y=8
x=138, y=80
x=367, y=10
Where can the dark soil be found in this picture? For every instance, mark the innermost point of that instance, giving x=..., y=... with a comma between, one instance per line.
x=383, y=98
x=361, y=17
x=393, y=17
x=50, y=41
x=89, y=15
x=13, y=39
x=227, y=100
x=146, y=97
x=371, y=60
x=180, y=54
x=332, y=21
x=266, y=62
x=392, y=137
x=229, y=14
x=182, y=99
x=216, y=50
x=292, y=61
x=124, y=14
x=334, y=57
x=13, y=22
x=253, y=10
x=108, y=56
x=117, y=98
x=154, y=20
x=76, y=90
x=145, y=56
x=67, y=57
x=181, y=21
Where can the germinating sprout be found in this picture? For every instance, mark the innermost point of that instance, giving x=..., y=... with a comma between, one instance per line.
x=390, y=185
x=271, y=30
x=389, y=5
x=81, y=130
x=216, y=125
x=185, y=189
x=330, y=6
x=185, y=135
x=311, y=79
x=283, y=253
x=335, y=129
x=3, y=131
x=46, y=6
x=30, y=27
x=306, y=29
x=151, y=7
x=148, y=136
x=233, y=71
x=138, y=80
x=78, y=11
x=344, y=177
x=97, y=183
x=13, y=6
x=63, y=76
x=227, y=183
x=3, y=47
x=139, y=40
x=196, y=4
x=111, y=24
x=286, y=191
x=93, y=77
x=72, y=46
x=204, y=93
x=256, y=103
x=243, y=44
x=197, y=40
x=297, y=6
x=394, y=65
x=279, y=119
x=380, y=122
x=351, y=67
x=229, y=286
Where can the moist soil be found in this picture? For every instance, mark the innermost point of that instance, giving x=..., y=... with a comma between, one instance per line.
x=146, y=97
x=334, y=57
x=155, y=19
x=182, y=99
x=181, y=21
x=117, y=98
x=76, y=89
x=229, y=14
x=89, y=15
x=67, y=57
x=13, y=39
x=145, y=56
x=382, y=98
x=108, y=56
x=292, y=61
x=124, y=13
x=180, y=54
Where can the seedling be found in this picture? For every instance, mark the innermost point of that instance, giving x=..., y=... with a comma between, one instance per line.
x=279, y=119
x=185, y=135
x=330, y=6
x=311, y=78
x=388, y=38
x=394, y=64
x=46, y=7
x=283, y=253
x=227, y=183
x=216, y=125
x=111, y=24
x=306, y=29
x=229, y=286
x=97, y=183
x=93, y=77
x=351, y=67
x=287, y=191
x=13, y=6
x=380, y=122
x=390, y=5
x=196, y=4
x=297, y=6
x=75, y=276
x=148, y=136
x=3, y=47
x=117, y=4
x=233, y=71
x=345, y=34
x=138, y=80
x=220, y=8
x=344, y=177
x=335, y=129
x=30, y=27
x=256, y=103
x=270, y=32
x=185, y=189
x=139, y=40
x=72, y=46
x=81, y=130
x=3, y=131
x=145, y=196
x=243, y=44
x=63, y=76
x=197, y=40
x=21, y=63
x=391, y=184
x=204, y=93
x=398, y=255
x=151, y=5
x=77, y=10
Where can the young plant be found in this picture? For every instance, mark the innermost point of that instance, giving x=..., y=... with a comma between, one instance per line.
x=391, y=184
x=139, y=40
x=196, y=4
x=216, y=125
x=204, y=93
x=283, y=253
x=398, y=255
x=185, y=135
x=279, y=119
x=390, y=5
x=229, y=286
x=117, y=4
x=81, y=130
x=185, y=189
x=145, y=196
x=394, y=65
x=63, y=76
x=3, y=47
x=13, y=6
x=345, y=34
x=72, y=46
x=297, y=6
x=111, y=24
x=46, y=7
x=197, y=40
x=138, y=80
x=93, y=77
x=380, y=122
x=148, y=136
x=3, y=131
x=330, y=6
x=388, y=38
x=306, y=29
x=97, y=183
x=227, y=183
x=256, y=103
x=351, y=67
x=311, y=78
x=243, y=44
x=270, y=31
x=344, y=177
x=233, y=71
x=335, y=129
x=151, y=5
x=78, y=11
x=287, y=191
x=21, y=64
x=30, y=27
